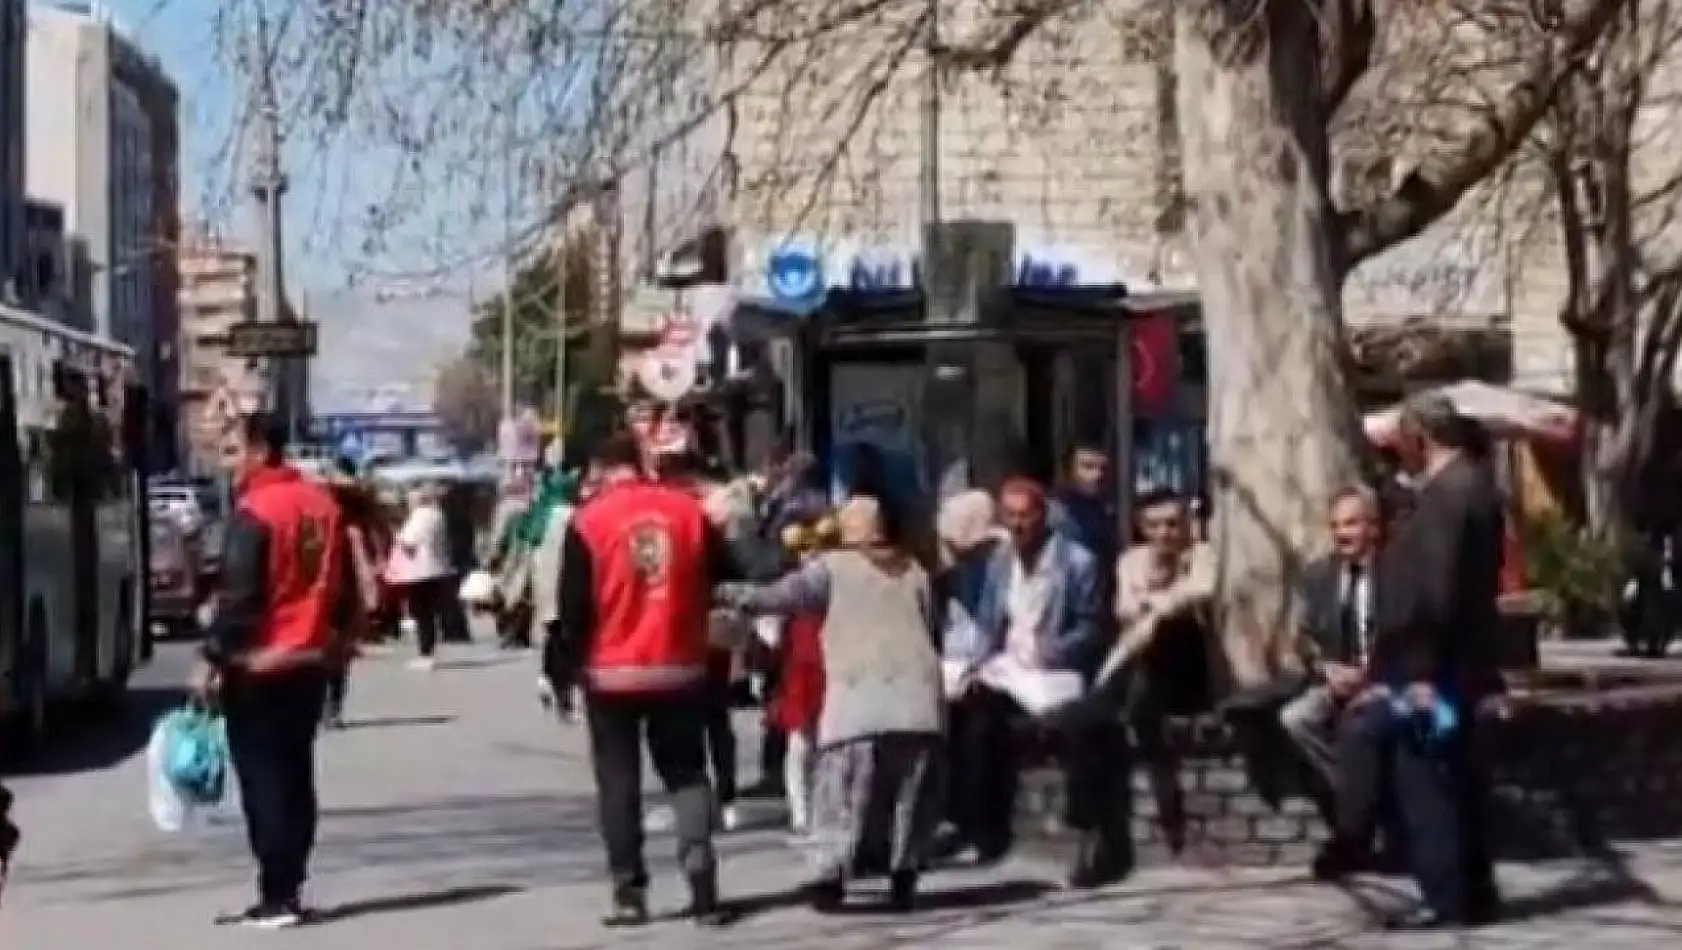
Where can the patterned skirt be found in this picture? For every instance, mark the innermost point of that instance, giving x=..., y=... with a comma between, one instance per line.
x=875, y=804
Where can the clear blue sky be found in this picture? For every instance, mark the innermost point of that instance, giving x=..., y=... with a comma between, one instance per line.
x=327, y=190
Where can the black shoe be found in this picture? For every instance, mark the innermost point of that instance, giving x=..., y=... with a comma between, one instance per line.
x=902, y=892
x=705, y=909
x=266, y=915
x=1337, y=860
x=1094, y=865
x=826, y=896
x=1421, y=918
x=630, y=908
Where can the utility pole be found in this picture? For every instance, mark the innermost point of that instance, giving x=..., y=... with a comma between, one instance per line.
x=562, y=329
x=929, y=170
x=508, y=271
x=268, y=185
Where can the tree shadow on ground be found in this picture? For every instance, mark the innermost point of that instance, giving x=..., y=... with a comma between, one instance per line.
x=384, y=722
x=1598, y=883
x=419, y=900
x=90, y=738
x=869, y=901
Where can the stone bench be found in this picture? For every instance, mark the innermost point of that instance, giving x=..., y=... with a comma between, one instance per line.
x=1576, y=761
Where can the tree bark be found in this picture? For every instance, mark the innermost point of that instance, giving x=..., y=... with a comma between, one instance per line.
x=1283, y=429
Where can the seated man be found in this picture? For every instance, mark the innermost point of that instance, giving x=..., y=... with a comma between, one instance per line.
x=1338, y=594
x=1036, y=623
x=1160, y=663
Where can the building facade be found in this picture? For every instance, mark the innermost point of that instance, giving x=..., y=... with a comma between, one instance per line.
x=218, y=289
x=14, y=79
x=1075, y=141
x=106, y=150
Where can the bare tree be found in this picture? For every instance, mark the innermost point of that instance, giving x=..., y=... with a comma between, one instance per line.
x=467, y=402
x=1411, y=103
x=1615, y=175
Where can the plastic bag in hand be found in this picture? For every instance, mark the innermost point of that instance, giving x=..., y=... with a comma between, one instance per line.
x=479, y=589
x=187, y=765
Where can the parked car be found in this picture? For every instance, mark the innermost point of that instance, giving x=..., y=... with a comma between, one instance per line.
x=175, y=579
x=179, y=503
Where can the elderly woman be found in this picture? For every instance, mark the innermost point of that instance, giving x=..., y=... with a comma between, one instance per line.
x=420, y=567
x=876, y=779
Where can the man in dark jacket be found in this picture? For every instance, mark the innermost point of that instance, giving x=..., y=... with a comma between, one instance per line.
x=1338, y=594
x=9, y=836
x=285, y=597
x=637, y=572
x=1435, y=630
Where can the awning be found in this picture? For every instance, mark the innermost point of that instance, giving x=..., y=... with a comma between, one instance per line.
x=1507, y=413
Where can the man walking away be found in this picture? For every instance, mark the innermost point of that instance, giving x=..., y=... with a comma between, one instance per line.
x=268, y=654
x=1436, y=631
x=637, y=572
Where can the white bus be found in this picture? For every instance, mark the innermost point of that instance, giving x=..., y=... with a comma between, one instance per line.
x=72, y=520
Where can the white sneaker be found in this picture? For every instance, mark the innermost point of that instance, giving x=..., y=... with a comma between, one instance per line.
x=659, y=820
x=729, y=818
x=423, y=664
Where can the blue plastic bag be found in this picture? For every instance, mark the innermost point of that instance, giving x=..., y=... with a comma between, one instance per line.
x=1433, y=726
x=195, y=754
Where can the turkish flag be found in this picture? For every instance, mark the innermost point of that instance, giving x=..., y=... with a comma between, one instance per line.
x=1155, y=363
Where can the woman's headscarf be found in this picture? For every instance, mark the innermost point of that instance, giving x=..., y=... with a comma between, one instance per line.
x=554, y=489
x=965, y=520
x=861, y=522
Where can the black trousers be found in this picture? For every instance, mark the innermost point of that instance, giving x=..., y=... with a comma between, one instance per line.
x=428, y=600
x=1440, y=793
x=338, y=685
x=671, y=725
x=452, y=616
x=720, y=732
x=1092, y=755
x=272, y=722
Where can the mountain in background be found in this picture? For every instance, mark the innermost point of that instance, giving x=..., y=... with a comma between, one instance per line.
x=382, y=353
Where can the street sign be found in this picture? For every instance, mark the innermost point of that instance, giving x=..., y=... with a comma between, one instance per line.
x=794, y=275
x=284, y=338
x=352, y=446
x=667, y=375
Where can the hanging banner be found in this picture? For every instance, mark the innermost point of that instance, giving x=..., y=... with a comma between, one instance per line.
x=1156, y=364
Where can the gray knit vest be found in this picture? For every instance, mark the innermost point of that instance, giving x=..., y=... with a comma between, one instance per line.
x=882, y=673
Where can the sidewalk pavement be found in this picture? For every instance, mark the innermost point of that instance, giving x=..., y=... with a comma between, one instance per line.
x=459, y=815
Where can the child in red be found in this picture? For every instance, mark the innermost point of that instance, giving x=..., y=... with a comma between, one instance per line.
x=799, y=698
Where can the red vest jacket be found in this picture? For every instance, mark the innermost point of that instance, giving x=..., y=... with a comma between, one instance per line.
x=305, y=534
x=648, y=560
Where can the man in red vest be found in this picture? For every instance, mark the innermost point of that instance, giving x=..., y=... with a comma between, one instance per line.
x=637, y=572
x=284, y=595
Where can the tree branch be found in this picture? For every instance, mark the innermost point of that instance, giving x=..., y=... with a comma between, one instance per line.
x=1348, y=36
x=1024, y=21
x=1430, y=191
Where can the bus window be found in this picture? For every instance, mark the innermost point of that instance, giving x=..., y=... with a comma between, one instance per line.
x=39, y=464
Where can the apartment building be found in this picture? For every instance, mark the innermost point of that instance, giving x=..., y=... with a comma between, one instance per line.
x=13, y=126
x=218, y=289
x=104, y=145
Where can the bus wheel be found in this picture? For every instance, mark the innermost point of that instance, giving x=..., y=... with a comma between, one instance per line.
x=114, y=689
x=34, y=698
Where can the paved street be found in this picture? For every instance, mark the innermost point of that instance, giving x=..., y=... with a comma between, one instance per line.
x=457, y=815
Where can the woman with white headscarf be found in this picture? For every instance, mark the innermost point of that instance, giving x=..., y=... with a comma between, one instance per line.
x=420, y=566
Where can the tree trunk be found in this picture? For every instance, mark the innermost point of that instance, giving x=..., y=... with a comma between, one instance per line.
x=1283, y=430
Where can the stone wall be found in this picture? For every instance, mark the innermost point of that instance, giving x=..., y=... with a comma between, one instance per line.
x=1573, y=769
